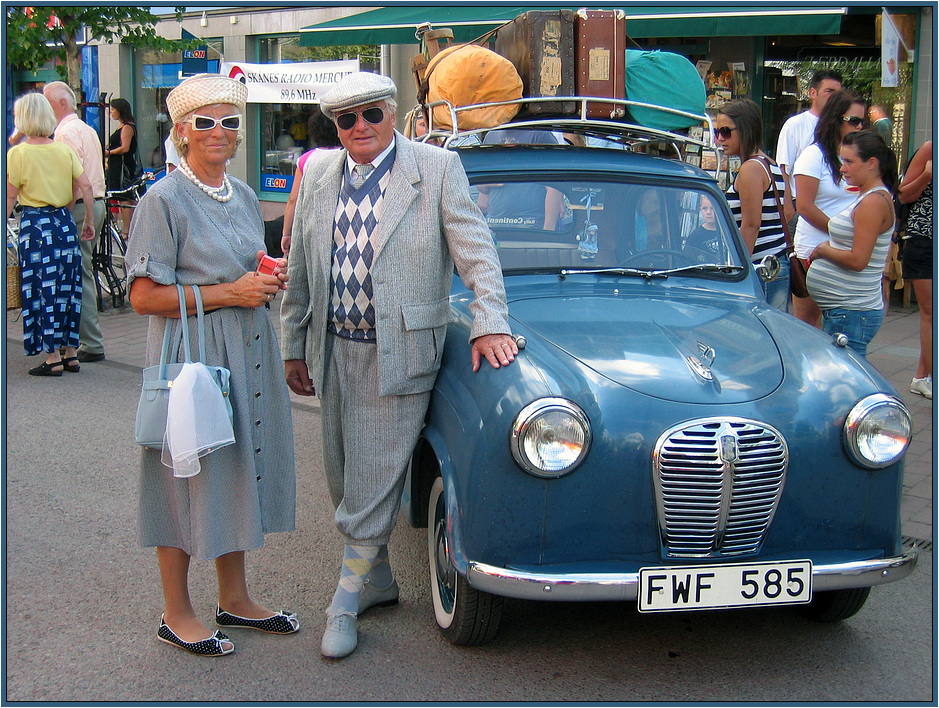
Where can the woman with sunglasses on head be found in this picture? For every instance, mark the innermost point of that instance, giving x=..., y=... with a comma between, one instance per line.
x=752, y=196
x=200, y=226
x=846, y=269
x=821, y=191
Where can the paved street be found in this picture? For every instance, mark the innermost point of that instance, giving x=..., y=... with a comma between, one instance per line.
x=82, y=599
x=894, y=352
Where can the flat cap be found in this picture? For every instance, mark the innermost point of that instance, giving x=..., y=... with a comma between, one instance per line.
x=356, y=89
x=205, y=90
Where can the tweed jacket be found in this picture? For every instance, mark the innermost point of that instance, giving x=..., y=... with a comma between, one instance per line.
x=429, y=223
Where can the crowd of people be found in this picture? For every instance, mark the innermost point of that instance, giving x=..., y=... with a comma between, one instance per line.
x=833, y=180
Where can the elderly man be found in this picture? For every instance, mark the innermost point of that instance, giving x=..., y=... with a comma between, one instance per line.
x=378, y=229
x=83, y=139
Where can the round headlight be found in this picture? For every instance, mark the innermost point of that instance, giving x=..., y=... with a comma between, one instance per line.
x=550, y=437
x=877, y=431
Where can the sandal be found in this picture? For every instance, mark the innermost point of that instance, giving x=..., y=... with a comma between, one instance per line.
x=71, y=364
x=46, y=369
x=285, y=622
x=206, y=647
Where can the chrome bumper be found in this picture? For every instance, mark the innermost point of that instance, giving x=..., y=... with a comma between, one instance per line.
x=625, y=586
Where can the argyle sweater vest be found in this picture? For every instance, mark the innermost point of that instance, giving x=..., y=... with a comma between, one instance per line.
x=352, y=307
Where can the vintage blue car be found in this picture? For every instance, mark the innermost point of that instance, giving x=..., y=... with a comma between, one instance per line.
x=664, y=436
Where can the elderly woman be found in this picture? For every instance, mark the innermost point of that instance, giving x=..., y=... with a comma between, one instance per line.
x=200, y=226
x=41, y=175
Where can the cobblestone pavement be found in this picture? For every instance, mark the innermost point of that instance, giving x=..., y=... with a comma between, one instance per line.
x=894, y=351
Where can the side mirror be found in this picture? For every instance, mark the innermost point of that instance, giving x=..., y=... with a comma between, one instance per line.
x=768, y=268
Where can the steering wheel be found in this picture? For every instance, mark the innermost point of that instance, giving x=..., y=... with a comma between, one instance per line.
x=649, y=258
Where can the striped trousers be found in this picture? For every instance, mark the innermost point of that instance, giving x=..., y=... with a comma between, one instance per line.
x=367, y=441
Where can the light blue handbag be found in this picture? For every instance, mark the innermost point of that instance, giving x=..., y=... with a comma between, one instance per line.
x=150, y=425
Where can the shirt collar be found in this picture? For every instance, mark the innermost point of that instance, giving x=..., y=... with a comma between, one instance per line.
x=66, y=119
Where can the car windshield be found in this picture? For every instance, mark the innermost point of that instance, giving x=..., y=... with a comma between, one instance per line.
x=554, y=225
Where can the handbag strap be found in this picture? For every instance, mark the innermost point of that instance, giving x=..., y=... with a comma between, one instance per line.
x=782, y=215
x=182, y=333
x=200, y=322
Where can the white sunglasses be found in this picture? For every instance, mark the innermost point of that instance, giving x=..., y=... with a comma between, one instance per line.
x=206, y=123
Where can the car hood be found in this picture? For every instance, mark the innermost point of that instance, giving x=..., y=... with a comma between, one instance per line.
x=709, y=350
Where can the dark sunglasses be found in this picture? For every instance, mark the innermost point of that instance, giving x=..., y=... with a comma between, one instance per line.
x=373, y=115
x=854, y=121
x=723, y=132
x=206, y=123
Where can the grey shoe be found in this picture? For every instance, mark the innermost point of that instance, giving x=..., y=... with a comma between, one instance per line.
x=372, y=596
x=340, y=637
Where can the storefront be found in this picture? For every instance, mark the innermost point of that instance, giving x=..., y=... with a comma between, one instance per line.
x=763, y=52
x=766, y=53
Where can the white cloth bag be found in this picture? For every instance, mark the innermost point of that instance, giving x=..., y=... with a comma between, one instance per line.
x=197, y=421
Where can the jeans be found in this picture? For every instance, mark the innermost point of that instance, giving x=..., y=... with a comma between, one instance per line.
x=859, y=326
x=777, y=291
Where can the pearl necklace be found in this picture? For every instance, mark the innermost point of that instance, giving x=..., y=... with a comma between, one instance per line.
x=219, y=194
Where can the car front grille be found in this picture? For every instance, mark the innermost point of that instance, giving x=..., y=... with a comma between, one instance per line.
x=717, y=486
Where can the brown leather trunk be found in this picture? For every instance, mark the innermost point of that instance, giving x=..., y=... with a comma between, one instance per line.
x=601, y=59
x=541, y=46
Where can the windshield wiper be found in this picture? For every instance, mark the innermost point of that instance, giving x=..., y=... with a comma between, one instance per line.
x=707, y=268
x=647, y=274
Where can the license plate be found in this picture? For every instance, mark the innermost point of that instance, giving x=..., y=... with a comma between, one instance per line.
x=704, y=587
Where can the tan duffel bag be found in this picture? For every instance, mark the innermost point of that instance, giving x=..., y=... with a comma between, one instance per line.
x=467, y=74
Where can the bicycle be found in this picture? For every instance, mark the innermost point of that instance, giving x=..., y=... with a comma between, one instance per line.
x=109, y=253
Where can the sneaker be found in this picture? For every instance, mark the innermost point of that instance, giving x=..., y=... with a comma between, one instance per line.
x=922, y=386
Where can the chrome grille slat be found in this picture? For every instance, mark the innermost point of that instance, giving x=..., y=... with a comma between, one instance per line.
x=716, y=496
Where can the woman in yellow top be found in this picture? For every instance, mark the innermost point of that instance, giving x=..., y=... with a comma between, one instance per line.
x=43, y=176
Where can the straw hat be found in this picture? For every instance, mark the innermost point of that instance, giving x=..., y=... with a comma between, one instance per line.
x=356, y=89
x=205, y=90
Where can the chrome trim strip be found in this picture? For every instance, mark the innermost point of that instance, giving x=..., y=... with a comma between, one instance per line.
x=625, y=586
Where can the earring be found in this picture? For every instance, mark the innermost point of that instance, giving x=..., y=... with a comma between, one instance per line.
x=185, y=141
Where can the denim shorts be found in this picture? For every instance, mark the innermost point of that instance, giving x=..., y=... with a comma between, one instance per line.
x=859, y=326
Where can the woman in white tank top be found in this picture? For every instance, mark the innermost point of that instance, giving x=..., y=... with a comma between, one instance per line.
x=844, y=276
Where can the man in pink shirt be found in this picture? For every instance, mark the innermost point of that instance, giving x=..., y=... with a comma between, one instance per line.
x=84, y=140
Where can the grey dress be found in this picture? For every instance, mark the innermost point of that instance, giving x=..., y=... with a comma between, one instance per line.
x=181, y=235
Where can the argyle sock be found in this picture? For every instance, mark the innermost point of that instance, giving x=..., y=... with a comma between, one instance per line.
x=356, y=562
x=380, y=575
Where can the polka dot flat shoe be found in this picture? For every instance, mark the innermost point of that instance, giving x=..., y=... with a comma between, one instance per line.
x=285, y=622
x=213, y=646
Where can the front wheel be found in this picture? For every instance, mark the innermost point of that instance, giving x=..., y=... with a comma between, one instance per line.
x=835, y=605
x=465, y=615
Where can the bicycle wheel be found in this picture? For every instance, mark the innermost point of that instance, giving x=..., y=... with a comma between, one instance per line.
x=113, y=279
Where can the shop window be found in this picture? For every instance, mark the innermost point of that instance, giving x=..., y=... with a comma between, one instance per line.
x=283, y=126
x=155, y=75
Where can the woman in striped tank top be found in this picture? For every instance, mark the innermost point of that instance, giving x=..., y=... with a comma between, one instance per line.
x=739, y=130
x=845, y=272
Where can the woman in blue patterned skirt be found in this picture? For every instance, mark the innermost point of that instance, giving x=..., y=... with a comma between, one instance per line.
x=43, y=177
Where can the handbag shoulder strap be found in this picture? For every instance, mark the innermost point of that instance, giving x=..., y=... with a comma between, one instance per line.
x=182, y=333
x=200, y=322
x=183, y=326
x=779, y=207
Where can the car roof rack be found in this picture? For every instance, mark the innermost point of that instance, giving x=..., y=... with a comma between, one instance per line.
x=688, y=145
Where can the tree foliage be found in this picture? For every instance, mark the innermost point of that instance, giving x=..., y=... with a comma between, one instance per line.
x=36, y=35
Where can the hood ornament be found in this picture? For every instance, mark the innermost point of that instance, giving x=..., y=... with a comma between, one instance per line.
x=701, y=364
